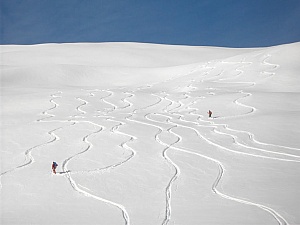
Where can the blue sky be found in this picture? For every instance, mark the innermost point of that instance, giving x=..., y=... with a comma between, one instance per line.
x=229, y=23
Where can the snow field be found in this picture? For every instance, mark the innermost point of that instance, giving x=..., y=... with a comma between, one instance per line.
x=128, y=126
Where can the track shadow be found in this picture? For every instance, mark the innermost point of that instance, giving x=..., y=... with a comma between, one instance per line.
x=68, y=171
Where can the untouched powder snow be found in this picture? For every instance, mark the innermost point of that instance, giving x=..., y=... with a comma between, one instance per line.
x=127, y=124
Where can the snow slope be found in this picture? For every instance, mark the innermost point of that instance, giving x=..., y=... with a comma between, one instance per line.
x=128, y=125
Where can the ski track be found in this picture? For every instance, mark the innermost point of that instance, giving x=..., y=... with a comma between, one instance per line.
x=275, y=66
x=67, y=173
x=252, y=109
x=235, y=138
x=280, y=220
x=114, y=107
x=82, y=112
x=173, y=179
x=226, y=127
x=276, y=215
x=250, y=135
x=29, y=159
x=124, y=145
x=168, y=190
x=129, y=104
x=76, y=187
x=190, y=126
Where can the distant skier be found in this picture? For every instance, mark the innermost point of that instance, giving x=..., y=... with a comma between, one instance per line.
x=54, y=165
x=209, y=113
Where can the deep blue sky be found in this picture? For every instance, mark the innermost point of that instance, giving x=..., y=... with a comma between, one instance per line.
x=230, y=23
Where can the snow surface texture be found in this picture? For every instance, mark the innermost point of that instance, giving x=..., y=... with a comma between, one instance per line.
x=127, y=124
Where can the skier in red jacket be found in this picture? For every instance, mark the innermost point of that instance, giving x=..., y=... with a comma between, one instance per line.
x=54, y=165
x=209, y=113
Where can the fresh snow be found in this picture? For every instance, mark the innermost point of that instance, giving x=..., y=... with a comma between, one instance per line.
x=127, y=124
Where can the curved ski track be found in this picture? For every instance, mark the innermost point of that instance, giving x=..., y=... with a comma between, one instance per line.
x=124, y=145
x=276, y=215
x=168, y=190
x=178, y=106
x=53, y=137
x=67, y=173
